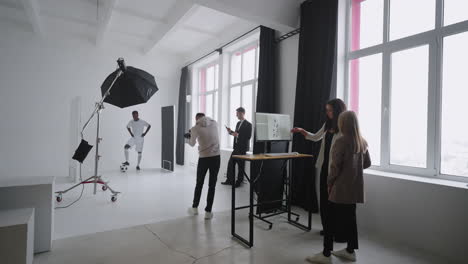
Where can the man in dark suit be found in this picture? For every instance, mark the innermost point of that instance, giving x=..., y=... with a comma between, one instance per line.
x=242, y=136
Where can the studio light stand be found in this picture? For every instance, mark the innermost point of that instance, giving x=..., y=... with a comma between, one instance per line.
x=96, y=179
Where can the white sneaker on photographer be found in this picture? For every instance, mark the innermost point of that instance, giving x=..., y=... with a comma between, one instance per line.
x=319, y=258
x=208, y=215
x=192, y=211
x=344, y=254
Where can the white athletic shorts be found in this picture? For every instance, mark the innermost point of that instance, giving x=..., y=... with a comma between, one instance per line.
x=137, y=142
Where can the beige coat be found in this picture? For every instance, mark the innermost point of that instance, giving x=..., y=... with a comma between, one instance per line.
x=345, y=178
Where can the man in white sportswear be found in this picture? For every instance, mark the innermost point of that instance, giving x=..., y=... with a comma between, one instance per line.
x=135, y=127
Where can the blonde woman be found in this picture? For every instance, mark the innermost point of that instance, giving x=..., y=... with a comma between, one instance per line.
x=345, y=187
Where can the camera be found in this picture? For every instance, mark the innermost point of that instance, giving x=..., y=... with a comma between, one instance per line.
x=187, y=135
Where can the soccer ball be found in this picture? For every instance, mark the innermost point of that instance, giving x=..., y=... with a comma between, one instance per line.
x=123, y=168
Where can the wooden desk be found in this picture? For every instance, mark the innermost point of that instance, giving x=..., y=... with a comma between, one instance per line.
x=252, y=181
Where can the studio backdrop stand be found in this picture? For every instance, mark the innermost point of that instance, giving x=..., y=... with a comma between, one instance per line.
x=96, y=179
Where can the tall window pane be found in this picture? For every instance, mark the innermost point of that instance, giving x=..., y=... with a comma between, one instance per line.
x=366, y=23
x=455, y=11
x=235, y=102
x=408, y=112
x=365, y=93
x=409, y=17
x=215, y=113
x=216, y=76
x=454, y=156
x=209, y=105
x=247, y=93
x=236, y=68
x=202, y=103
x=248, y=65
x=210, y=78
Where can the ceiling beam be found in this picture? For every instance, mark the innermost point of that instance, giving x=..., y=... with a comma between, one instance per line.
x=281, y=15
x=181, y=9
x=105, y=14
x=141, y=15
x=31, y=7
x=200, y=31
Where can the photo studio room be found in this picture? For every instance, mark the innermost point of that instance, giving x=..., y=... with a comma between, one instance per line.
x=233, y=131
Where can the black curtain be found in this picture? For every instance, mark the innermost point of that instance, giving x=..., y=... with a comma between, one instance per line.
x=181, y=116
x=266, y=93
x=268, y=188
x=315, y=75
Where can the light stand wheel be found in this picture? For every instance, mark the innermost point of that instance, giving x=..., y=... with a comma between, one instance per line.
x=114, y=198
x=59, y=198
x=104, y=188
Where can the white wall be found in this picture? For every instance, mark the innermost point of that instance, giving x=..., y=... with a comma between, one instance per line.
x=423, y=215
x=38, y=81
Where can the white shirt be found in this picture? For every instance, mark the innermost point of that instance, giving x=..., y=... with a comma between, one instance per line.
x=137, y=126
x=237, y=130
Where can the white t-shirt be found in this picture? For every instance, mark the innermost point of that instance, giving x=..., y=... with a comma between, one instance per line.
x=137, y=126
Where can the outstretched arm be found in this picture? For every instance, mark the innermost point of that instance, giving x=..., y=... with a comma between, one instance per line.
x=308, y=135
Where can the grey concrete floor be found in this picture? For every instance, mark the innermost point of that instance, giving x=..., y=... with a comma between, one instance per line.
x=192, y=239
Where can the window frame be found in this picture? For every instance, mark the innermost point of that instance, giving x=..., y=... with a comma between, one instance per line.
x=216, y=88
x=434, y=39
x=254, y=82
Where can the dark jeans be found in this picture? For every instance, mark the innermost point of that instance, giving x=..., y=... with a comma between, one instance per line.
x=341, y=217
x=205, y=164
x=231, y=170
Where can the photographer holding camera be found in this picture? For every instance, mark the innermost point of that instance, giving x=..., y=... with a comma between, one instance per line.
x=206, y=133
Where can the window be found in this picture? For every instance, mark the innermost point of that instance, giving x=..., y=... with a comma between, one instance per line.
x=454, y=145
x=408, y=106
x=208, y=90
x=365, y=99
x=243, y=83
x=367, y=23
x=405, y=79
x=455, y=11
x=411, y=17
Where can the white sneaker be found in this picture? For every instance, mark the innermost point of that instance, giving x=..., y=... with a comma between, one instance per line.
x=344, y=254
x=192, y=211
x=319, y=258
x=208, y=215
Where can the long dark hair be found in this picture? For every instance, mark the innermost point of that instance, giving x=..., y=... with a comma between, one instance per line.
x=338, y=107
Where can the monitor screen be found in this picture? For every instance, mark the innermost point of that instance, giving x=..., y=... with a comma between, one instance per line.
x=272, y=127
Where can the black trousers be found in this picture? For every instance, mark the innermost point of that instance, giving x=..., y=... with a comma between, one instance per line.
x=342, y=218
x=324, y=196
x=204, y=164
x=231, y=170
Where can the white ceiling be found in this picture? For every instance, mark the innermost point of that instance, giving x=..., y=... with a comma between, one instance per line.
x=175, y=26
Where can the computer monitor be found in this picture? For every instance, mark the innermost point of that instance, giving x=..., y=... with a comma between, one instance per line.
x=272, y=127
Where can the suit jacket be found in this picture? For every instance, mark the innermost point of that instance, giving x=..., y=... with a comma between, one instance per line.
x=242, y=142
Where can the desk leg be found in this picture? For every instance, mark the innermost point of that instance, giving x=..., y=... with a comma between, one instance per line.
x=249, y=242
x=296, y=223
x=233, y=210
x=288, y=191
x=251, y=215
